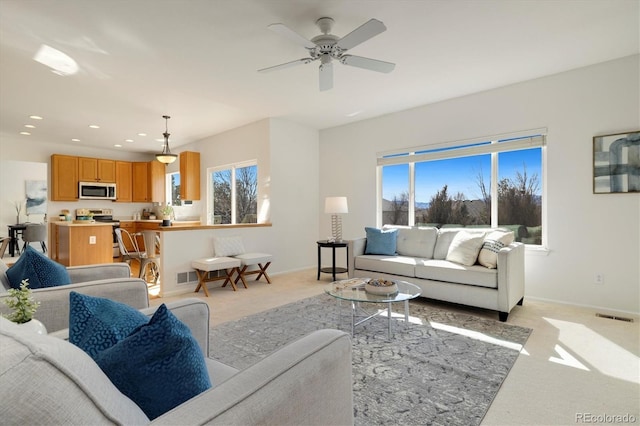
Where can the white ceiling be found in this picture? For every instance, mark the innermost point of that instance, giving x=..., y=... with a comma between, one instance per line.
x=196, y=60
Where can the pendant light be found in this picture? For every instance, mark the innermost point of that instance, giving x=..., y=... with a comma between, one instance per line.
x=166, y=156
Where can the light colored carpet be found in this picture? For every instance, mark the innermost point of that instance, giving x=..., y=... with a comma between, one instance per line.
x=444, y=367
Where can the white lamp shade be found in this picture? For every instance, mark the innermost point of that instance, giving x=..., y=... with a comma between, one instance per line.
x=336, y=205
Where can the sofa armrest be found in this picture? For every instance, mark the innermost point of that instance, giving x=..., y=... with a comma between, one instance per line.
x=195, y=314
x=103, y=271
x=356, y=248
x=308, y=382
x=510, y=276
x=53, y=311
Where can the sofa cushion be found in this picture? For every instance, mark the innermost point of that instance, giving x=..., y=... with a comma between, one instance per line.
x=493, y=242
x=228, y=246
x=46, y=380
x=416, y=242
x=464, y=248
x=445, y=236
x=38, y=269
x=396, y=265
x=159, y=365
x=96, y=323
x=443, y=270
x=381, y=241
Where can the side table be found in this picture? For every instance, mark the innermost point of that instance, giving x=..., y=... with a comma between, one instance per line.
x=333, y=270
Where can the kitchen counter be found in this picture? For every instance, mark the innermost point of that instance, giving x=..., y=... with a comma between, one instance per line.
x=173, y=222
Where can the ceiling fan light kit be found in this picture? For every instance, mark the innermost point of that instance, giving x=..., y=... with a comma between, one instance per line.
x=326, y=47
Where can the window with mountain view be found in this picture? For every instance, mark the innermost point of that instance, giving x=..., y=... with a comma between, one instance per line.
x=233, y=194
x=454, y=186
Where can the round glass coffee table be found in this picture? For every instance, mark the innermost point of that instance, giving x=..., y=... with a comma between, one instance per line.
x=352, y=290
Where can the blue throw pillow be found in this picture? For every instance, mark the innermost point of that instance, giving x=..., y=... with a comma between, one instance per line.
x=381, y=241
x=96, y=324
x=38, y=269
x=159, y=365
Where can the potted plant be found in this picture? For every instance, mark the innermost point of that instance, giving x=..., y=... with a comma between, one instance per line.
x=166, y=212
x=24, y=307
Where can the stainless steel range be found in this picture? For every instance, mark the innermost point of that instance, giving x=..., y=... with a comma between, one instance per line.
x=104, y=216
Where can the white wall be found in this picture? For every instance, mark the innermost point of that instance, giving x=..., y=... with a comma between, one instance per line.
x=288, y=192
x=588, y=233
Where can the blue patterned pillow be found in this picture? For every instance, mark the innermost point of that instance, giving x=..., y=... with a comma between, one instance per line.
x=38, y=269
x=381, y=241
x=96, y=324
x=159, y=365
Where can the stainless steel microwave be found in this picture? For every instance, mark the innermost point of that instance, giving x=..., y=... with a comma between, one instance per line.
x=97, y=191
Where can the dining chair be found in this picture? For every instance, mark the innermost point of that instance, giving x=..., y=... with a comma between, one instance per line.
x=34, y=233
x=4, y=243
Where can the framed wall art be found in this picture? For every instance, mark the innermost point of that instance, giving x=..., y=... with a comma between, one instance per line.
x=616, y=163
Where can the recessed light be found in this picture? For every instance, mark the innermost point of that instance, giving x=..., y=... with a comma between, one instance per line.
x=94, y=126
x=353, y=114
x=128, y=140
x=25, y=133
x=75, y=140
x=160, y=140
x=29, y=126
x=142, y=134
x=35, y=117
x=118, y=145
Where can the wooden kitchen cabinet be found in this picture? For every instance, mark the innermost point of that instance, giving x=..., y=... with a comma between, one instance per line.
x=64, y=178
x=189, y=175
x=157, y=172
x=124, y=188
x=83, y=244
x=140, y=181
x=96, y=170
x=148, y=182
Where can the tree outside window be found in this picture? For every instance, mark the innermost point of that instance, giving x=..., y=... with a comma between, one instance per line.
x=234, y=196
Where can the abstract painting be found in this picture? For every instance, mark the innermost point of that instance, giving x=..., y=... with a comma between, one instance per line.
x=616, y=163
x=36, y=196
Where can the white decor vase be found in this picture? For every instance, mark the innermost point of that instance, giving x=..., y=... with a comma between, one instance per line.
x=35, y=326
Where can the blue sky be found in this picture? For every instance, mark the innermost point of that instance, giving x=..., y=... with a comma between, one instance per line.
x=460, y=174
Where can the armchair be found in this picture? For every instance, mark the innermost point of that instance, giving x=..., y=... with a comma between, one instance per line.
x=306, y=382
x=109, y=280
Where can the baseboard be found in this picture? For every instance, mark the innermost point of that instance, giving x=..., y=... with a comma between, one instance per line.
x=598, y=309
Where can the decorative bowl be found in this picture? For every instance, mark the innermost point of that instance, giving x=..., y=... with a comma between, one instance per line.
x=381, y=286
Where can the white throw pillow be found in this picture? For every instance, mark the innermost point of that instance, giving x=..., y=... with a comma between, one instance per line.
x=493, y=242
x=228, y=246
x=464, y=248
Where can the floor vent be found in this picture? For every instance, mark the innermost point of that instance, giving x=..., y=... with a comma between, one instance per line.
x=613, y=317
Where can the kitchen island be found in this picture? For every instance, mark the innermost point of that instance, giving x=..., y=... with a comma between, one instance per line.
x=74, y=244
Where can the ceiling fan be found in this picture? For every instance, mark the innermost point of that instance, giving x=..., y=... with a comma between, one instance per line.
x=326, y=47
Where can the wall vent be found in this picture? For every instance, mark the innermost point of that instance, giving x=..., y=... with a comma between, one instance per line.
x=183, y=277
x=614, y=317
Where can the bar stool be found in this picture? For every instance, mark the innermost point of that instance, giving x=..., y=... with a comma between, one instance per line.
x=205, y=266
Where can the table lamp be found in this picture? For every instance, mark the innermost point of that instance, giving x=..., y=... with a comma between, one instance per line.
x=336, y=206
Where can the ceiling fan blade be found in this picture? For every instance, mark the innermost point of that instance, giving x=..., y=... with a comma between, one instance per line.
x=287, y=32
x=366, y=63
x=326, y=76
x=286, y=65
x=364, y=32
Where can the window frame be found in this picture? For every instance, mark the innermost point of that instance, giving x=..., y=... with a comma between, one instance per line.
x=494, y=145
x=210, y=201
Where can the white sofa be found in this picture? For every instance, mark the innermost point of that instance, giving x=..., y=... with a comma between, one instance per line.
x=421, y=259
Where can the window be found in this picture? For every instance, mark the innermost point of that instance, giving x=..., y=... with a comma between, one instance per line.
x=173, y=189
x=495, y=182
x=233, y=194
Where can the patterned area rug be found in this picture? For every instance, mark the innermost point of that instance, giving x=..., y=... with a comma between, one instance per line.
x=443, y=368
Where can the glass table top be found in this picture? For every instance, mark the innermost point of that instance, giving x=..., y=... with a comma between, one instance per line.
x=353, y=290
